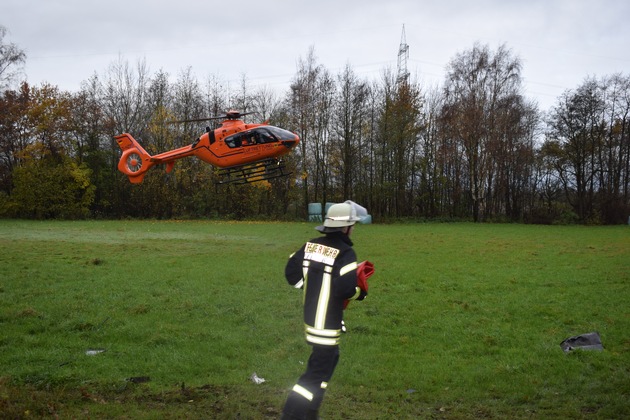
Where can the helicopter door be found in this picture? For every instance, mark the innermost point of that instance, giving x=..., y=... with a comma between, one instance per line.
x=234, y=141
x=249, y=138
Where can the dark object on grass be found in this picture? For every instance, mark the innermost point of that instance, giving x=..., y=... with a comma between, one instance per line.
x=588, y=341
x=138, y=379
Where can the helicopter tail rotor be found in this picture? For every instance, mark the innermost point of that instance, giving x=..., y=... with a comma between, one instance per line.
x=135, y=161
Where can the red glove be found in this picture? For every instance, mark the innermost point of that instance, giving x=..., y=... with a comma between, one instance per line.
x=364, y=270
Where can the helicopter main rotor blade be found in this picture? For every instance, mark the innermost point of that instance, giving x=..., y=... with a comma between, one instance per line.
x=192, y=120
x=230, y=115
x=234, y=115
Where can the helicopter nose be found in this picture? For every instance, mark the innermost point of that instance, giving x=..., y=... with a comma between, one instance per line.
x=290, y=143
x=286, y=137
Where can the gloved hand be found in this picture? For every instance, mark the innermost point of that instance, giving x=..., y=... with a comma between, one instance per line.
x=362, y=295
x=364, y=270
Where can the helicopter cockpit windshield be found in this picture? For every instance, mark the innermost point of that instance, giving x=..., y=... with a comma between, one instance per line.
x=259, y=135
x=280, y=134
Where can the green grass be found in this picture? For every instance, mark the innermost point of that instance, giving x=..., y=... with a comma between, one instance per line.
x=462, y=321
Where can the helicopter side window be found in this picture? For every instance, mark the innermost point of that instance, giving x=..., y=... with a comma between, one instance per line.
x=249, y=139
x=234, y=141
x=256, y=136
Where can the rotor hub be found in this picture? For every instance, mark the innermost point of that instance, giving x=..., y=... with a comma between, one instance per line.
x=134, y=162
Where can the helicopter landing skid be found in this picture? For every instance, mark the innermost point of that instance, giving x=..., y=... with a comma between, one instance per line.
x=253, y=172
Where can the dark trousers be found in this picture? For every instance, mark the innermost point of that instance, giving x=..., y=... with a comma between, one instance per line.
x=307, y=395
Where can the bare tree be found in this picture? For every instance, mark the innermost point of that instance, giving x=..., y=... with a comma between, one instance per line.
x=11, y=60
x=265, y=103
x=480, y=87
x=614, y=155
x=349, y=117
x=301, y=103
x=15, y=131
x=188, y=104
x=577, y=126
x=216, y=96
x=429, y=171
x=399, y=129
x=368, y=179
x=125, y=96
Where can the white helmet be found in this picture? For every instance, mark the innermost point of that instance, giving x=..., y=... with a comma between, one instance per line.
x=341, y=215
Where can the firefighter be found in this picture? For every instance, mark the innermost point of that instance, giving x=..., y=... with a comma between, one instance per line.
x=326, y=269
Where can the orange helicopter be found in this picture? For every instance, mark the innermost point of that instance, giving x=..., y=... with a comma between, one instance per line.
x=243, y=152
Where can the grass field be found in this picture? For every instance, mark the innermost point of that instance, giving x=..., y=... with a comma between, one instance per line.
x=149, y=319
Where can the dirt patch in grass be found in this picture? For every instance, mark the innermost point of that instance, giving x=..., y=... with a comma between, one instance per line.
x=131, y=400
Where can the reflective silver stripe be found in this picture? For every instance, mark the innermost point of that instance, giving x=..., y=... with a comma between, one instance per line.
x=356, y=294
x=322, y=341
x=322, y=304
x=305, y=265
x=348, y=268
x=324, y=333
x=322, y=336
x=303, y=392
x=324, y=385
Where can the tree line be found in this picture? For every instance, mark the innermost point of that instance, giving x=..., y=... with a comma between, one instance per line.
x=474, y=148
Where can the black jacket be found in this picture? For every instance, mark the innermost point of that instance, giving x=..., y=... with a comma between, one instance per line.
x=326, y=268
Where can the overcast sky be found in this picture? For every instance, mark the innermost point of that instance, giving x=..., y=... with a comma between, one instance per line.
x=560, y=42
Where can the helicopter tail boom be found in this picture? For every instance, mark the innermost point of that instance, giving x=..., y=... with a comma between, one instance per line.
x=135, y=161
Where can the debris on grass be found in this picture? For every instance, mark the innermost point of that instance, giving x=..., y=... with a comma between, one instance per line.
x=256, y=379
x=138, y=379
x=588, y=341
